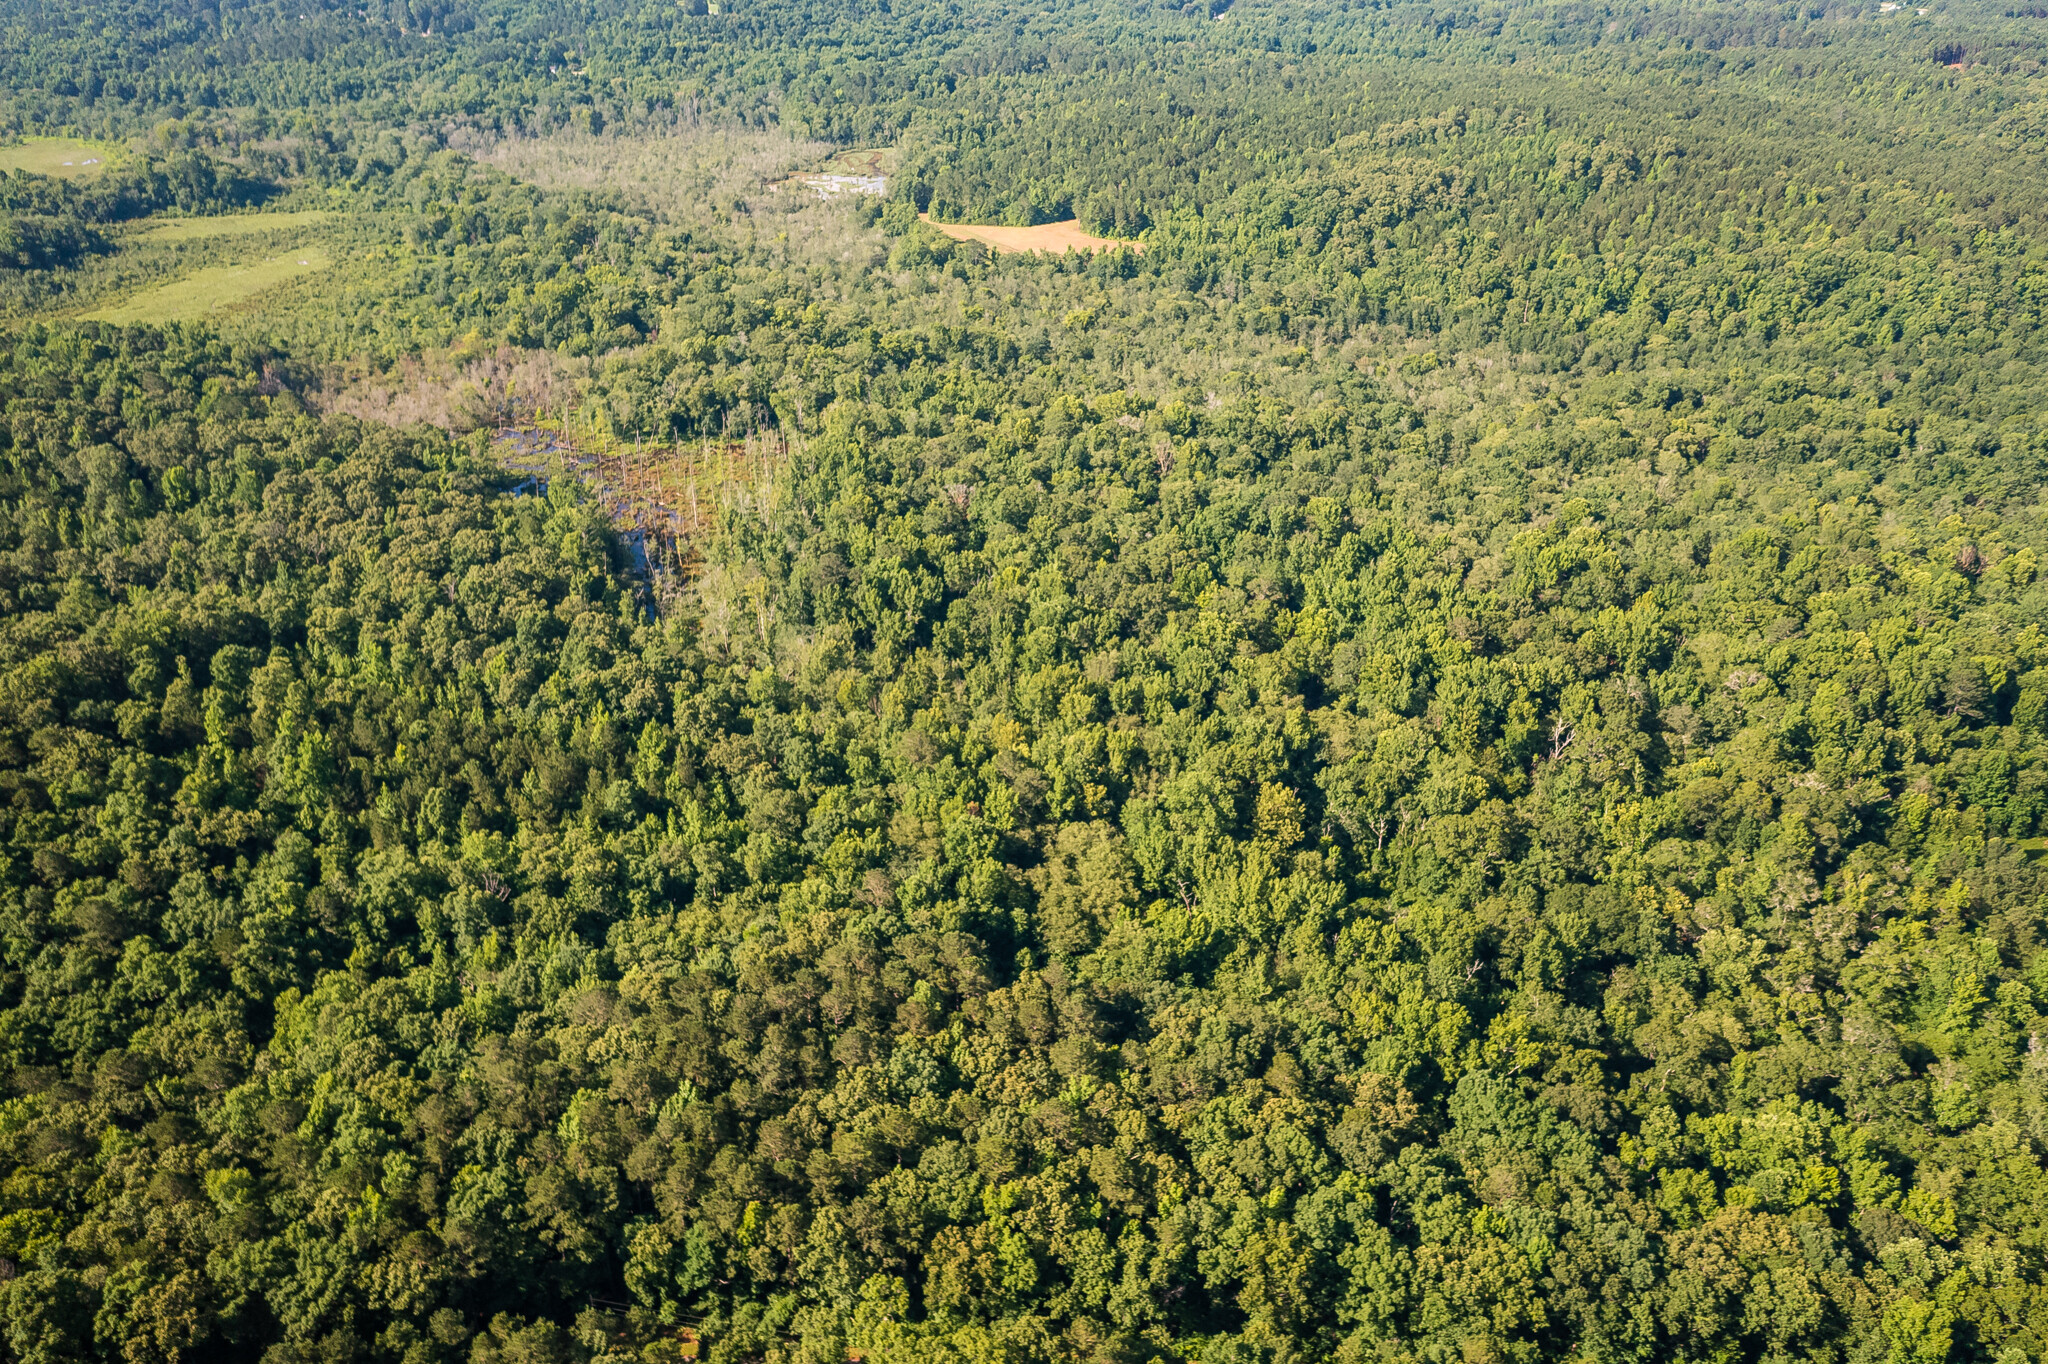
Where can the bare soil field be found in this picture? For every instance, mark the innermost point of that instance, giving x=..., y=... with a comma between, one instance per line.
x=1055, y=238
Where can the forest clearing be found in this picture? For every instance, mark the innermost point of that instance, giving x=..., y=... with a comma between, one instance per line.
x=68, y=158
x=1052, y=238
x=858, y=172
x=671, y=493
x=185, y=229
x=664, y=501
x=863, y=161
x=217, y=288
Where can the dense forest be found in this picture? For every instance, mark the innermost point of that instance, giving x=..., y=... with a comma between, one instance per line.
x=1443, y=758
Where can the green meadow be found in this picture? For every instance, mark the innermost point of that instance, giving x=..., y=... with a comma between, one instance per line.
x=70, y=157
x=215, y=289
x=228, y=225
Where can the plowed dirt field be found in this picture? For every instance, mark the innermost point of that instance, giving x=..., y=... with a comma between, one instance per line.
x=1056, y=238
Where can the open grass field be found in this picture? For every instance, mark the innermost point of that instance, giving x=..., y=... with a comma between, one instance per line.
x=1056, y=238
x=214, y=289
x=229, y=225
x=70, y=157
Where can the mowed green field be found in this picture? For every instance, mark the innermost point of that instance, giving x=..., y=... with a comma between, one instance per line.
x=229, y=225
x=215, y=289
x=70, y=157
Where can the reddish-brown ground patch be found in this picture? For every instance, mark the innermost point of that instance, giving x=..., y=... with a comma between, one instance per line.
x=1056, y=238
